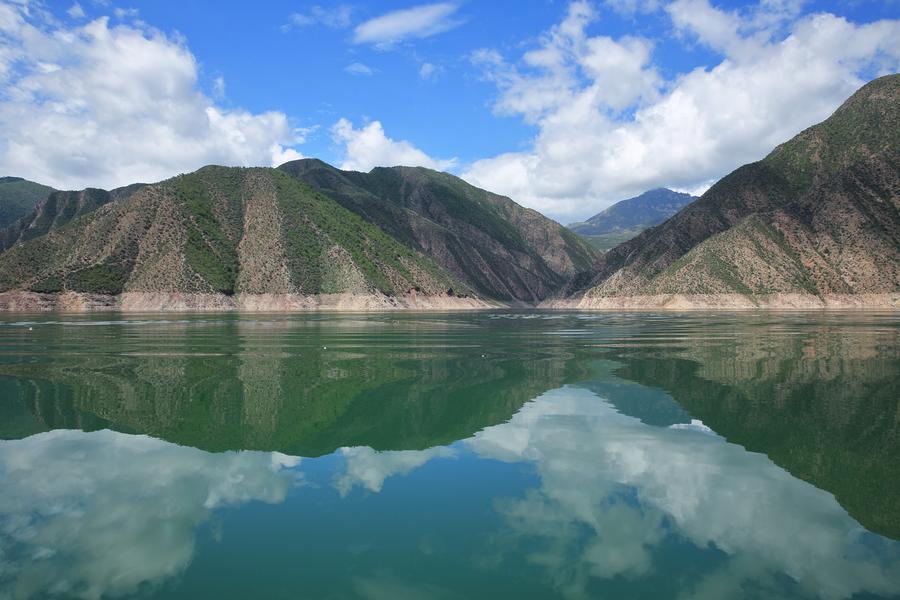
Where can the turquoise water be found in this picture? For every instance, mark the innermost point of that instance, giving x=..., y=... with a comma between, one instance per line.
x=477, y=455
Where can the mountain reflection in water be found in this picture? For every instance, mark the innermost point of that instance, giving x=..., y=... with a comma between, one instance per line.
x=582, y=456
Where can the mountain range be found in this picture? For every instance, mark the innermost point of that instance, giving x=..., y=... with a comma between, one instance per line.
x=627, y=218
x=304, y=235
x=815, y=223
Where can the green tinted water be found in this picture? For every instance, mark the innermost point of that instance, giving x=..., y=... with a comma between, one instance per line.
x=486, y=455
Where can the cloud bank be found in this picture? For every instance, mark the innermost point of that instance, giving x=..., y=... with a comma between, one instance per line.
x=104, y=106
x=610, y=125
x=92, y=103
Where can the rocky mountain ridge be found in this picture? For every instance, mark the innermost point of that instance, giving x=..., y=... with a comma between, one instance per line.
x=503, y=250
x=263, y=239
x=817, y=220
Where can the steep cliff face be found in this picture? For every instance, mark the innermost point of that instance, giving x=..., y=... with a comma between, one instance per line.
x=499, y=248
x=819, y=216
x=219, y=231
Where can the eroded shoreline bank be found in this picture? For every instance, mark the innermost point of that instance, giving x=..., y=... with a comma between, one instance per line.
x=74, y=302
x=687, y=302
x=148, y=302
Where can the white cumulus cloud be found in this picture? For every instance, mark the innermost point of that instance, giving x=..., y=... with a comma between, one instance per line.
x=369, y=147
x=609, y=125
x=101, y=105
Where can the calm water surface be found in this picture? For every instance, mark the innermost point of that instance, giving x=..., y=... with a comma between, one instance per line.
x=486, y=455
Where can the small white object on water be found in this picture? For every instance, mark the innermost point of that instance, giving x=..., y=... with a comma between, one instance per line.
x=482, y=356
x=324, y=347
x=30, y=328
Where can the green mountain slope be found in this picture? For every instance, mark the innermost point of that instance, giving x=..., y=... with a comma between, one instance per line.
x=499, y=248
x=627, y=218
x=18, y=197
x=221, y=231
x=57, y=209
x=820, y=215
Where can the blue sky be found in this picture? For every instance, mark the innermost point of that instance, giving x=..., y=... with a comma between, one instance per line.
x=564, y=106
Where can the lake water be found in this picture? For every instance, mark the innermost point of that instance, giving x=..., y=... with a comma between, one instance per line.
x=478, y=455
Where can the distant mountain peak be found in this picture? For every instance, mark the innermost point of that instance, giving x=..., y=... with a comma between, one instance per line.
x=627, y=218
x=644, y=210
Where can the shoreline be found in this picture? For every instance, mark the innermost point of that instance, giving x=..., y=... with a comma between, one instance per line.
x=176, y=302
x=728, y=302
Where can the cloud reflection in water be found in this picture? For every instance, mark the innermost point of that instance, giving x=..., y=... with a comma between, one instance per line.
x=103, y=513
x=108, y=514
x=612, y=489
